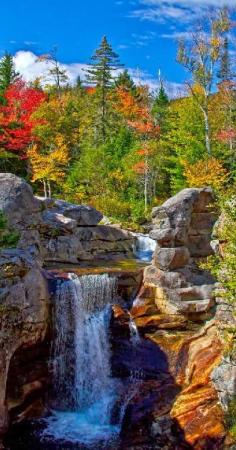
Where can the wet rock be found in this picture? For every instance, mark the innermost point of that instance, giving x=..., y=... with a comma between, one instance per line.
x=197, y=408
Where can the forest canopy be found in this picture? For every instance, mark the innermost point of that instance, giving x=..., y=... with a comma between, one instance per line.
x=118, y=145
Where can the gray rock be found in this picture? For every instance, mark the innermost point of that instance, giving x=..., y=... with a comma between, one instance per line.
x=24, y=312
x=56, y=221
x=17, y=200
x=182, y=227
x=224, y=379
x=171, y=258
x=83, y=215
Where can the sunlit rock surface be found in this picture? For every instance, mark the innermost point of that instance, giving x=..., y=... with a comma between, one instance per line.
x=175, y=310
x=165, y=341
x=55, y=230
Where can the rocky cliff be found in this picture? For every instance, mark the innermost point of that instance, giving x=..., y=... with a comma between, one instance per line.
x=178, y=360
x=176, y=309
x=49, y=231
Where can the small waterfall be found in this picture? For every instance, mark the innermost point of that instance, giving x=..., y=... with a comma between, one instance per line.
x=84, y=392
x=144, y=247
x=134, y=334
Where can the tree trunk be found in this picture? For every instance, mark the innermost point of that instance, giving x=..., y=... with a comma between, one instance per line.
x=45, y=189
x=103, y=114
x=207, y=132
x=146, y=188
x=49, y=189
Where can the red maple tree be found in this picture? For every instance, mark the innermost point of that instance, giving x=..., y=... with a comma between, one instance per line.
x=16, y=121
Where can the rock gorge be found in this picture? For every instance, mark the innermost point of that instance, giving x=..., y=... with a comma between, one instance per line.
x=171, y=377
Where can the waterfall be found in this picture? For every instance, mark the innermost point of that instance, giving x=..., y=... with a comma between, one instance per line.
x=134, y=334
x=144, y=247
x=84, y=392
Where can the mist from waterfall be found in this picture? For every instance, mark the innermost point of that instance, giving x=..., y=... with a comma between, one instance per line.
x=84, y=392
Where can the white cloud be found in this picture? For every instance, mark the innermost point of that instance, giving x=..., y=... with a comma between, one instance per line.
x=177, y=35
x=173, y=89
x=30, y=68
x=190, y=3
x=122, y=47
x=29, y=43
x=183, y=11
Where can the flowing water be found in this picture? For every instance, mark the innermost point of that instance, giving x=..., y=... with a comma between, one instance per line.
x=144, y=247
x=134, y=333
x=84, y=393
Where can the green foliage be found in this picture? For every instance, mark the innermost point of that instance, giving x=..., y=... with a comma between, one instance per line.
x=230, y=418
x=103, y=63
x=9, y=162
x=125, y=81
x=8, y=74
x=227, y=268
x=115, y=160
x=160, y=107
x=7, y=238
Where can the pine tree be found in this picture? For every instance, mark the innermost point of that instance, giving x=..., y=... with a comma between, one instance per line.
x=79, y=83
x=8, y=74
x=225, y=72
x=125, y=81
x=159, y=109
x=104, y=62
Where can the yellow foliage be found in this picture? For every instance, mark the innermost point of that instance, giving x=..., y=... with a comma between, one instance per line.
x=207, y=172
x=49, y=166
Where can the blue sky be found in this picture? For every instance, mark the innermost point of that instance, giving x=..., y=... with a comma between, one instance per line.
x=143, y=32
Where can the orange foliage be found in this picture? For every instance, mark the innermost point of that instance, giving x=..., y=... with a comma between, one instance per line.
x=90, y=90
x=140, y=167
x=126, y=103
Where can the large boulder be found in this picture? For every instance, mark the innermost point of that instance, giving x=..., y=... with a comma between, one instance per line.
x=182, y=228
x=17, y=200
x=186, y=220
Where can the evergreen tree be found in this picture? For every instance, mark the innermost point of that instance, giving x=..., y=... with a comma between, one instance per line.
x=225, y=73
x=160, y=105
x=104, y=62
x=79, y=83
x=8, y=74
x=125, y=81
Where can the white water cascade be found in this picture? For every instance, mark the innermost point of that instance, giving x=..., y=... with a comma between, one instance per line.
x=134, y=333
x=144, y=247
x=84, y=391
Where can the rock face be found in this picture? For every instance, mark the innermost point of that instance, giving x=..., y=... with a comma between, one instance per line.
x=182, y=228
x=49, y=231
x=24, y=317
x=172, y=311
x=173, y=366
x=58, y=231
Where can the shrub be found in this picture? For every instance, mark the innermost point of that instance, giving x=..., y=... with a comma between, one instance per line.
x=8, y=238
